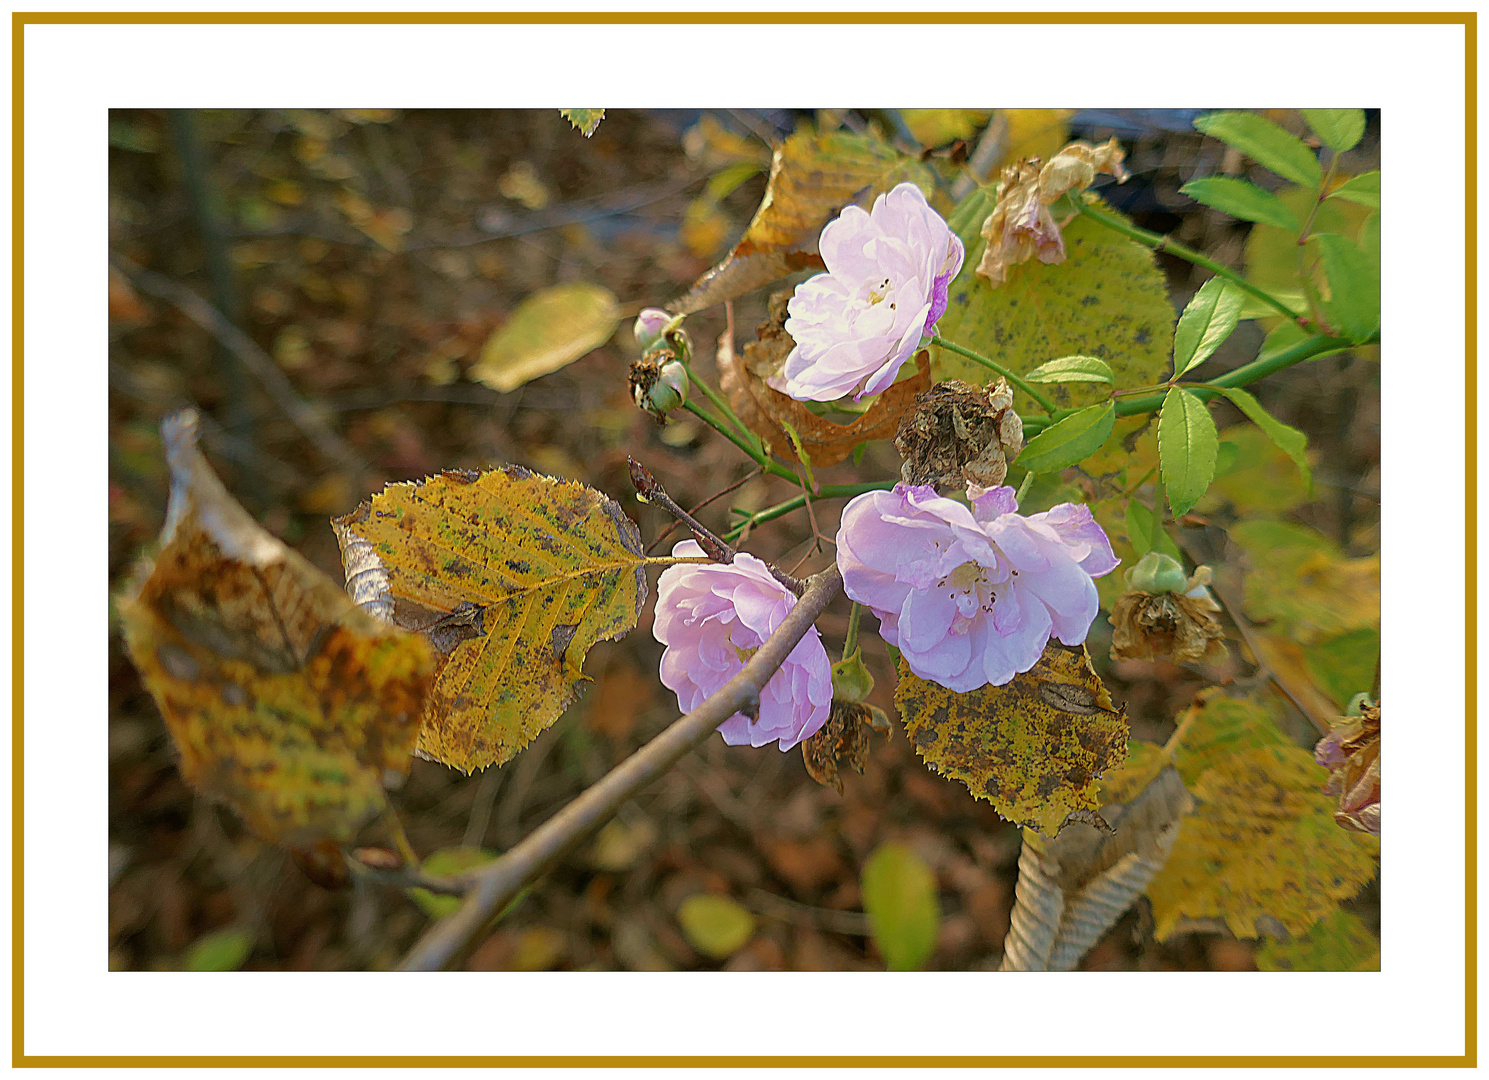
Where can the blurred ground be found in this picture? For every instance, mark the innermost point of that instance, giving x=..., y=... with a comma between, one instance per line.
x=371, y=254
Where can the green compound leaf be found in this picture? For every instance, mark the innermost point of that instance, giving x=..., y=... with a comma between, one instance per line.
x=224, y=950
x=584, y=120
x=1072, y=369
x=899, y=895
x=1265, y=143
x=716, y=926
x=1354, y=286
x=1363, y=189
x=1187, y=448
x=1070, y=441
x=1338, y=942
x=1241, y=199
x=1207, y=320
x=1289, y=440
x=1107, y=300
x=1340, y=129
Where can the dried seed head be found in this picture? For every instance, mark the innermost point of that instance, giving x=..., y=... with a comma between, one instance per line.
x=1351, y=753
x=960, y=434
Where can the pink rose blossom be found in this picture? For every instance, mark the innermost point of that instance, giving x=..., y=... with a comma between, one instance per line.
x=888, y=280
x=971, y=597
x=712, y=617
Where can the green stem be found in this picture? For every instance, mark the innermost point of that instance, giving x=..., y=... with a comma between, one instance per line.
x=1311, y=349
x=850, y=643
x=1024, y=486
x=992, y=365
x=1156, y=537
x=719, y=403
x=1305, y=274
x=755, y=454
x=827, y=491
x=1164, y=243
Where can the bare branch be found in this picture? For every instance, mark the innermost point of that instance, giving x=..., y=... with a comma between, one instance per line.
x=494, y=886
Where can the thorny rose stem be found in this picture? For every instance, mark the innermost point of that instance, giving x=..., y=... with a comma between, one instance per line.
x=493, y=887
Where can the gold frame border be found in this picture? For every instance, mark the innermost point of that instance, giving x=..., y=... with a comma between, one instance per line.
x=1467, y=19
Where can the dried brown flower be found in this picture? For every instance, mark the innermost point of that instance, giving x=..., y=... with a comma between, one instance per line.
x=1022, y=226
x=959, y=434
x=844, y=739
x=1351, y=753
x=1178, y=625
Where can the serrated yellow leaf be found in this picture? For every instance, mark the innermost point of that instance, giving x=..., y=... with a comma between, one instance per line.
x=549, y=330
x=285, y=701
x=1032, y=747
x=512, y=577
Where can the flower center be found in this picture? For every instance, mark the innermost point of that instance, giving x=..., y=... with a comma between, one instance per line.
x=971, y=592
x=965, y=577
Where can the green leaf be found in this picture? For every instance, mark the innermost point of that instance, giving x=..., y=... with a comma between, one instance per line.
x=448, y=862
x=1272, y=253
x=1370, y=237
x=1338, y=942
x=1226, y=457
x=549, y=330
x=1140, y=532
x=1289, y=440
x=723, y=183
x=224, y=950
x=899, y=894
x=1072, y=369
x=1353, y=306
x=1187, y=446
x=1107, y=300
x=716, y=926
x=1071, y=440
x=585, y=120
x=1340, y=129
x=1206, y=321
x=1265, y=143
x=1363, y=189
x=1241, y=199
x=1256, y=474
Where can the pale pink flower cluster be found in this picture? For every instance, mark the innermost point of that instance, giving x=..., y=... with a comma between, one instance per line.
x=889, y=273
x=712, y=617
x=971, y=597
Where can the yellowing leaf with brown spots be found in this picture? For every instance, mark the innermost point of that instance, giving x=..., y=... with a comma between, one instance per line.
x=511, y=576
x=812, y=177
x=1108, y=299
x=1261, y=847
x=1032, y=747
x=285, y=700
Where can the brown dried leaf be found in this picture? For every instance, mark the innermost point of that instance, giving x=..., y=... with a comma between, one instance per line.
x=812, y=177
x=1351, y=753
x=960, y=434
x=766, y=411
x=285, y=700
x=843, y=740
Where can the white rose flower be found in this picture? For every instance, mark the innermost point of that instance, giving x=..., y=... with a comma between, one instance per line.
x=888, y=276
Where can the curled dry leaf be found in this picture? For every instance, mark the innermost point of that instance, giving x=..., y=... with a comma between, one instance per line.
x=1022, y=225
x=285, y=700
x=960, y=433
x=1351, y=753
x=812, y=177
x=768, y=412
x=1032, y=747
x=511, y=577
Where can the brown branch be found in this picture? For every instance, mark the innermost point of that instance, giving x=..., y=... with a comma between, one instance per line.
x=260, y=364
x=494, y=886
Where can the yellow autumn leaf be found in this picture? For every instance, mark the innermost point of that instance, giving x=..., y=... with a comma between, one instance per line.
x=1338, y=942
x=1032, y=747
x=549, y=330
x=812, y=177
x=1261, y=848
x=284, y=700
x=1303, y=584
x=511, y=576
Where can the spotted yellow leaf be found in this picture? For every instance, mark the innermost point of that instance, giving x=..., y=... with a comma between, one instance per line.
x=284, y=700
x=1032, y=747
x=511, y=576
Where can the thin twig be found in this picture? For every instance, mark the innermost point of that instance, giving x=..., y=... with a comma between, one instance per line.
x=262, y=366
x=670, y=529
x=498, y=883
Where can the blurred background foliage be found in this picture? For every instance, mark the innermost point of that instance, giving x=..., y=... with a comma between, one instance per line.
x=374, y=256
